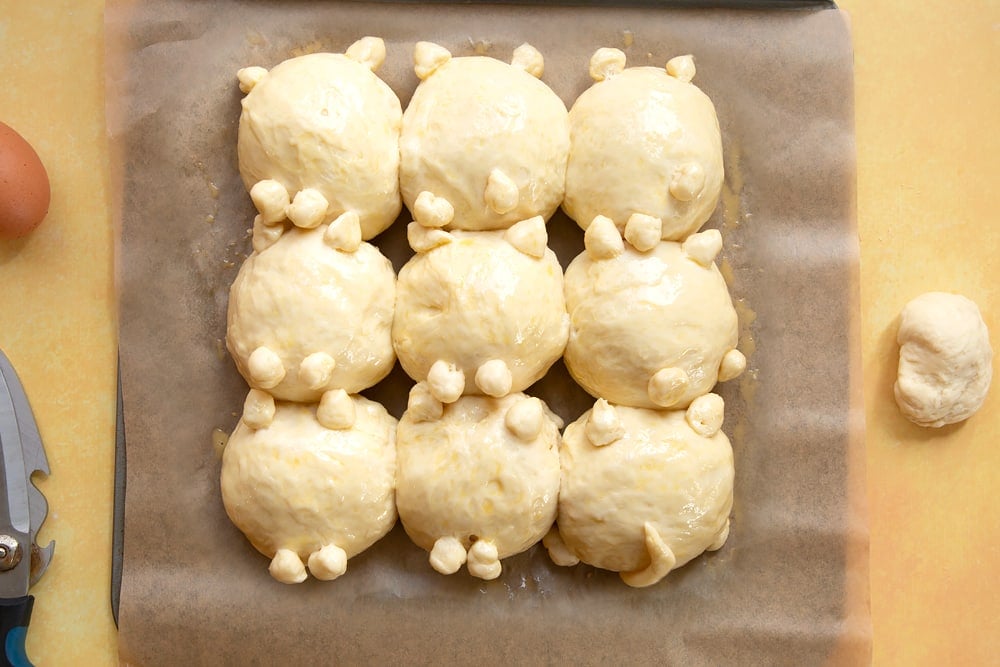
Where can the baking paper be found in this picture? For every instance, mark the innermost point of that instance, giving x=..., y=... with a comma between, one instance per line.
x=790, y=585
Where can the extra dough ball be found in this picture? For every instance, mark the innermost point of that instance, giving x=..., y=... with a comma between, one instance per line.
x=643, y=491
x=305, y=317
x=478, y=315
x=643, y=141
x=654, y=329
x=304, y=494
x=487, y=137
x=325, y=129
x=479, y=480
x=945, y=360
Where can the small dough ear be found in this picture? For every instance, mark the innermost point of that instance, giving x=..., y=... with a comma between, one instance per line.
x=501, y=193
x=703, y=247
x=445, y=381
x=524, y=419
x=484, y=560
x=732, y=366
x=250, y=77
x=367, y=51
x=602, y=239
x=265, y=235
x=494, y=378
x=687, y=181
x=661, y=561
x=720, y=539
x=529, y=59
x=258, y=409
x=422, y=406
x=603, y=425
x=705, y=415
x=667, y=386
x=448, y=555
x=529, y=236
x=270, y=198
x=432, y=211
x=308, y=208
x=559, y=553
x=643, y=231
x=606, y=63
x=316, y=370
x=428, y=57
x=681, y=68
x=344, y=233
x=336, y=410
x=422, y=239
x=265, y=368
x=328, y=563
x=287, y=567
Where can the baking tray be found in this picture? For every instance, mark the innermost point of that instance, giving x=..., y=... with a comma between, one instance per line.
x=745, y=9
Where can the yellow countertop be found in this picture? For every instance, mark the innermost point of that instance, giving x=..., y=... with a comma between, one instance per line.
x=928, y=149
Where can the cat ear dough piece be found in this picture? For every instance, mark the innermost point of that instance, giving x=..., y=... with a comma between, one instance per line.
x=484, y=560
x=494, y=378
x=606, y=63
x=733, y=364
x=602, y=240
x=703, y=247
x=667, y=386
x=265, y=235
x=529, y=236
x=265, y=368
x=328, y=563
x=422, y=405
x=250, y=77
x=559, y=553
x=287, y=567
x=308, y=208
x=448, y=555
x=270, y=198
x=603, y=426
x=529, y=59
x=428, y=57
x=681, y=68
x=445, y=381
x=423, y=239
x=258, y=409
x=524, y=419
x=367, y=51
x=501, y=194
x=344, y=233
x=643, y=232
x=705, y=415
x=432, y=211
x=336, y=410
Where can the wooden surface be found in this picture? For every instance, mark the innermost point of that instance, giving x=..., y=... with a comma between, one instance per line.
x=928, y=151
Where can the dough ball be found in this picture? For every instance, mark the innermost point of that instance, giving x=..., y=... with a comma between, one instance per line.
x=477, y=120
x=466, y=477
x=642, y=141
x=298, y=486
x=300, y=297
x=326, y=122
x=478, y=299
x=659, y=471
x=945, y=359
x=636, y=315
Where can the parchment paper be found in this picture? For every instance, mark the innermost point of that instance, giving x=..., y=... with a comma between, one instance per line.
x=789, y=587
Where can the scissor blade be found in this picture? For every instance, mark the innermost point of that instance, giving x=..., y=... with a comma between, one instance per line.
x=14, y=479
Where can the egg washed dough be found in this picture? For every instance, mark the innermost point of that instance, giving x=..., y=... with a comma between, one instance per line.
x=306, y=495
x=643, y=140
x=319, y=137
x=480, y=312
x=311, y=311
x=643, y=491
x=653, y=328
x=478, y=479
x=945, y=360
x=485, y=139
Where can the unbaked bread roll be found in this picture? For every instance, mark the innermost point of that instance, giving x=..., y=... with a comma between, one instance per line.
x=643, y=491
x=480, y=312
x=477, y=480
x=653, y=329
x=643, y=140
x=304, y=494
x=945, y=359
x=486, y=138
x=319, y=137
x=312, y=312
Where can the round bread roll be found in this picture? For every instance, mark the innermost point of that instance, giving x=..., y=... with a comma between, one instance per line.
x=652, y=329
x=304, y=494
x=488, y=138
x=306, y=316
x=643, y=491
x=643, y=140
x=478, y=479
x=319, y=136
x=945, y=359
x=481, y=313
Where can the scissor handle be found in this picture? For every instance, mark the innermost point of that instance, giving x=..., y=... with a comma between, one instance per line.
x=15, y=614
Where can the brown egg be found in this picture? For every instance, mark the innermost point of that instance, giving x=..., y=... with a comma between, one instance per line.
x=24, y=186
